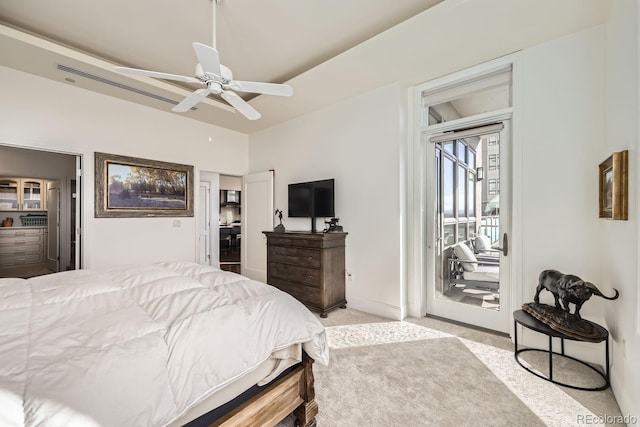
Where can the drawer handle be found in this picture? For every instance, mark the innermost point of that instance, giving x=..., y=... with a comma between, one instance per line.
x=19, y=233
x=20, y=243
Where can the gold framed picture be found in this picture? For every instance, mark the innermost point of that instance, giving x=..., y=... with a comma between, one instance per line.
x=127, y=187
x=613, y=185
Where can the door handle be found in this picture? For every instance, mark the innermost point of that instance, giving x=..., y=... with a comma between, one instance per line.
x=505, y=245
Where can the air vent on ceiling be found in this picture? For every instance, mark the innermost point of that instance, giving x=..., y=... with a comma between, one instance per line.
x=116, y=84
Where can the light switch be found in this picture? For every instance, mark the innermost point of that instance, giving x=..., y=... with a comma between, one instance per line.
x=177, y=223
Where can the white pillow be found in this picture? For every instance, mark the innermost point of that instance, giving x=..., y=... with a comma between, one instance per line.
x=464, y=253
x=482, y=242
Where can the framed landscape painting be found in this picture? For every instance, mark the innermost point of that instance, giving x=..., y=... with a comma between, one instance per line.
x=613, y=186
x=133, y=187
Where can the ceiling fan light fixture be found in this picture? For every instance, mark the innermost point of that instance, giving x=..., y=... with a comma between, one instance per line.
x=226, y=73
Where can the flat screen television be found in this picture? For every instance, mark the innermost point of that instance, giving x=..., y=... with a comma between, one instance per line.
x=313, y=200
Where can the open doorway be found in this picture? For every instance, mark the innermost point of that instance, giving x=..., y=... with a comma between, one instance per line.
x=230, y=225
x=39, y=207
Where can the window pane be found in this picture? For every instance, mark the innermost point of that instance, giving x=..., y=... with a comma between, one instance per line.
x=462, y=191
x=462, y=231
x=494, y=97
x=448, y=147
x=434, y=116
x=462, y=152
x=472, y=159
x=472, y=230
x=472, y=194
x=494, y=162
x=449, y=237
x=448, y=187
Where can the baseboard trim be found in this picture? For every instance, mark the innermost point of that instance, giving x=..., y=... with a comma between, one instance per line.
x=468, y=325
x=374, y=307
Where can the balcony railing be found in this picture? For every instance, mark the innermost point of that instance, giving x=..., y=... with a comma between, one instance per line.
x=490, y=226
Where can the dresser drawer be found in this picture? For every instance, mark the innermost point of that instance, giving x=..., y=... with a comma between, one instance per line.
x=20, y=232
x=20, y=249
x=11, y=260
x=292, y=255
x=297, y=242
x=308, y=295
x=20, y=240
x=294, y=273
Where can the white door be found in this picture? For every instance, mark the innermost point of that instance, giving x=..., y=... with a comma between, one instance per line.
x=53, y=221
x=77, y=223
x=257, y=216
x=204, y=206
x=470, y=280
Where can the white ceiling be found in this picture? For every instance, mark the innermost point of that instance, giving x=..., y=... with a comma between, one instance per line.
x=327, y=50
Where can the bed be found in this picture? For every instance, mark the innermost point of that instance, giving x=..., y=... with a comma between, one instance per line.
x=157, y=345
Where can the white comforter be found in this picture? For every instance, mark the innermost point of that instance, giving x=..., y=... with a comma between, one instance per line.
x=137, y=346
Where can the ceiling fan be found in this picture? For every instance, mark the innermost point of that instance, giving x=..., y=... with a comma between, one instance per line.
x=216, y=79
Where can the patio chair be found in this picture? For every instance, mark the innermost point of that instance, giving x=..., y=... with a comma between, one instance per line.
x=464, y=268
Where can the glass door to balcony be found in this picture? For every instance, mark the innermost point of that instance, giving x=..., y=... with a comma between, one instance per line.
x=472, y=221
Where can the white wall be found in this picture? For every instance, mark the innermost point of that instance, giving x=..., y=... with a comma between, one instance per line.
x=561, y=126
x=619, y=251
x=36, y=112
x=579, y=104
x=357, y=143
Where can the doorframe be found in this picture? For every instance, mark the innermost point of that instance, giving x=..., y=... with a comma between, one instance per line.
x=79, y=174
x=213, y=178
x=417, y=232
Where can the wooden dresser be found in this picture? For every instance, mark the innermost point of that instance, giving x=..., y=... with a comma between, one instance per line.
x=309, y=266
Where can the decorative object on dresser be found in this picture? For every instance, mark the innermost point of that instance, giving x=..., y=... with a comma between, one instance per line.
x=332, y=226
x=279, y=228
x=309, y=266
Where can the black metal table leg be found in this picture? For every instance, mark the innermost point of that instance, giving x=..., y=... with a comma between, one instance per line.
x=550, y=358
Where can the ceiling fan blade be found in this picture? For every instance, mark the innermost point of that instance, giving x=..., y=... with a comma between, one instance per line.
x=240, y=104
x=208, y=58
x=157, y=75
x=191, y=100
x=264, y=88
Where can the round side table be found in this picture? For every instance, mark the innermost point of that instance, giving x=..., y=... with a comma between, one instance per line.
x=523, y=318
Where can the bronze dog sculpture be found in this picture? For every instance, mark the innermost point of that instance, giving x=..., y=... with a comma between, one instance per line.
x=568, y=288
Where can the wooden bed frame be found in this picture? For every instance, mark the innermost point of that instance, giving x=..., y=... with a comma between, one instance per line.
x=292, y=393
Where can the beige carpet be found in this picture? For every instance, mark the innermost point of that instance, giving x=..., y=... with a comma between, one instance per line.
x=391, y=374
x=400, y=385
